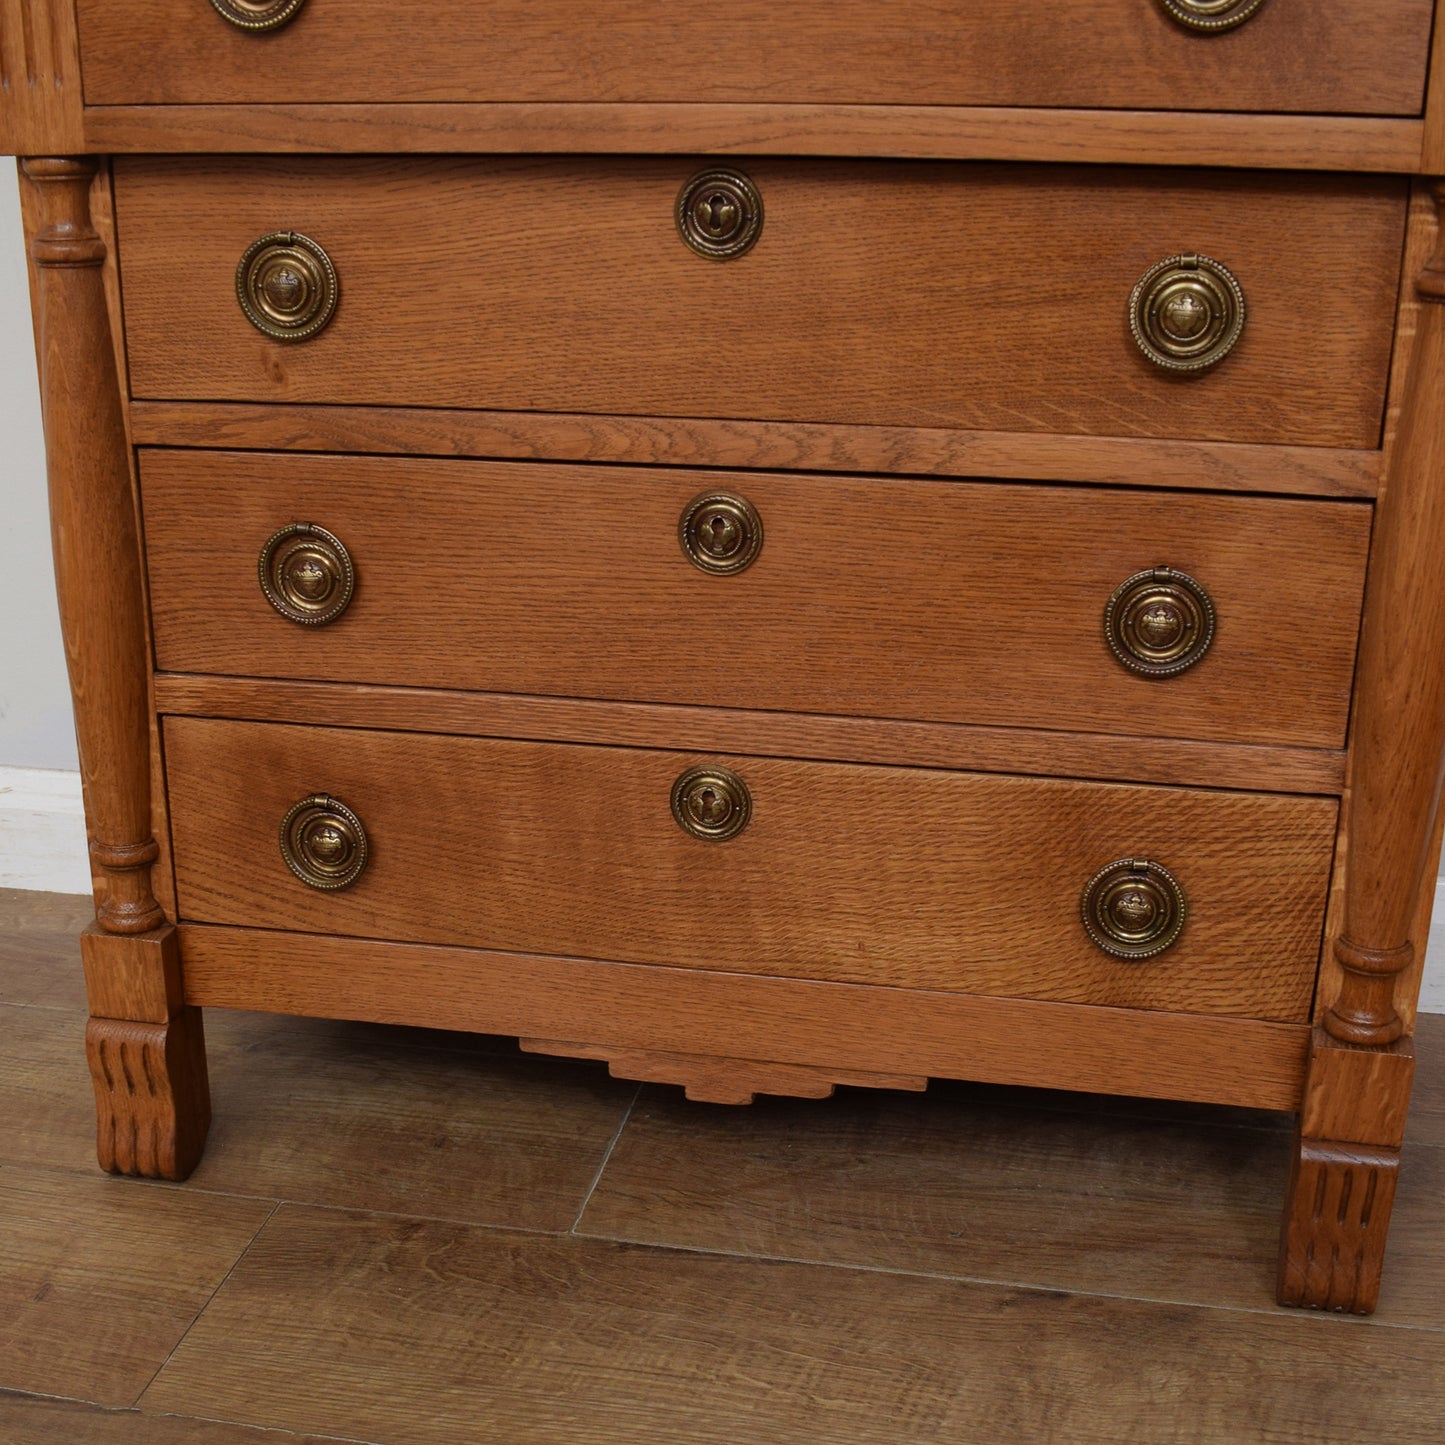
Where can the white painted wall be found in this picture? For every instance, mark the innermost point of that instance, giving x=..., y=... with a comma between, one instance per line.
x=42, y=834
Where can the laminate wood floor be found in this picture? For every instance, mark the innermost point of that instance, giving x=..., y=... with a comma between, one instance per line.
x=415, y=1238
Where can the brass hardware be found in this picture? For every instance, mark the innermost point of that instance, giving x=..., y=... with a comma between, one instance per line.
x=258, y=15
x=1187, y=313
x=721, y=532
x=720, y=214
x=306, y=574
x=1134, y=909
x=711, y=803
x=287, y=286
x=1159, y=622
x=323, y=843
x=1211, y=16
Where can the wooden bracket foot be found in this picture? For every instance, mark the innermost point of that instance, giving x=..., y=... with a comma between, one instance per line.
x=152, y=1098
x=1332, y=1249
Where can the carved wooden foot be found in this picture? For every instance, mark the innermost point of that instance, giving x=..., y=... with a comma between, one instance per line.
x=1337, y=1219
x=152, y=1098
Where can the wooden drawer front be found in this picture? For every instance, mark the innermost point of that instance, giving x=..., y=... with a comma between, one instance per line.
x=990, y=297
x=904, y=877
x=1362, y=56
x=941, y=601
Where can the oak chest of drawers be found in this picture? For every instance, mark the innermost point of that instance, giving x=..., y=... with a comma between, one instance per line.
x=776, y=545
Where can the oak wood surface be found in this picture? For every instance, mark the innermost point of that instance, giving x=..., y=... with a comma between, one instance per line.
x=1398, y=747
x=143, y=1261
x=836, y=739
x=1042, y=1045
x=583, y=1341
x=934, y=601
x=687, y=441
x=95, y=539
x=40, y=92
x=708, y=1079
x=1361, y=56
x=1003, y=133
x=900, y=877
x=553, y=284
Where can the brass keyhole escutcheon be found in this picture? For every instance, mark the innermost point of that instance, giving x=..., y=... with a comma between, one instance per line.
x=307, y=574
x=1211, y=17
x=712, y=803
x=1134, y=909
x=257, y=15
x=721, y=532
x=287, y=286
x=1186, y=313
x=324, y=843
x=1159, y=623
x=719, y=214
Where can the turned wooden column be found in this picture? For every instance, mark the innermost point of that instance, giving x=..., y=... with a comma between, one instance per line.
x=1357, y=1089
x=97, y=550
x=1399, y=739
x=146, y=1050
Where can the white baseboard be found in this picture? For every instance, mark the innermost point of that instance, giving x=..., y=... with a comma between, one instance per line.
x=42, y=831
x=42, y=845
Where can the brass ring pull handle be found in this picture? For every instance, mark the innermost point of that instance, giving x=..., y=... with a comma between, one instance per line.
x=324, y=844
x=1187, y=313
x=1159, y=622
x=711, y=803
x=1134, y=909
x=307, y=574
x=287, y=286
x=1211, y=17
x=721, y=533
x=719, y=214
x=257, y=15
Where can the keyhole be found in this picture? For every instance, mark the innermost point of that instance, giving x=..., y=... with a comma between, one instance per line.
x=719, y=213
x=720, y=535
x=711, y=806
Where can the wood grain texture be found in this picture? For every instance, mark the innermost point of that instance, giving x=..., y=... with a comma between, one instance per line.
x=96, y=543
x=708, y=1079
x=1362, y=56
x=40, y=95
x=1001, y=133
x=588, y=1343
x=592, y=303
x=782, y=734
x=898, y=877
x=1398, y=749
x=152, y=1098
x=680, y=1010
x=934, y=601
x=137, y=978
x=1357, y=1095
x=35, y=1420
x=1432, y=149
x=835, y=739
x=94, y=1305
x=688, y=441
x=1336, y=1223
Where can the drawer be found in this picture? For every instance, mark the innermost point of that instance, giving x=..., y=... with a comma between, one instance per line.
x=901, y=877
x=1353, y=56
x=993, y=297
x=939, y=601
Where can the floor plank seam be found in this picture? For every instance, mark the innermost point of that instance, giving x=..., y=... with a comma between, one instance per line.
x=169, y=1186
x=9, y=1392
x=1272, y=1312
x=185, y=1334
x=606, y=1157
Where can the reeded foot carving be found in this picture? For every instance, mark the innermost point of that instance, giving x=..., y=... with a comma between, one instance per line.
x=152, y=1098
x=1336, y=1222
